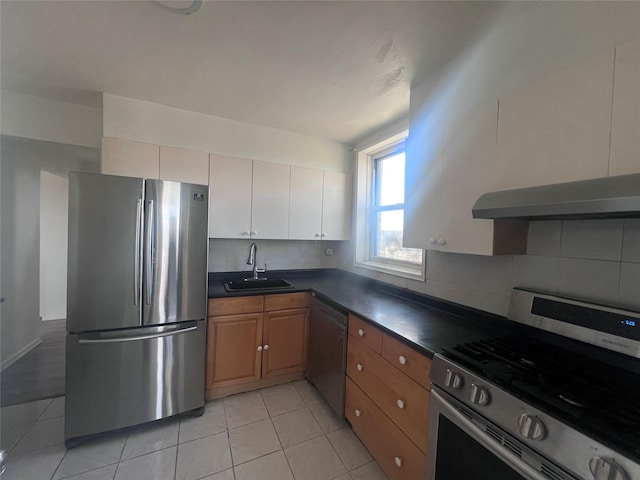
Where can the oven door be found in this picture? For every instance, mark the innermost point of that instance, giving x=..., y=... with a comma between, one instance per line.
x=460, y=448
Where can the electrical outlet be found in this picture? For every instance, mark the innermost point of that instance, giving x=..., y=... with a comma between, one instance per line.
x=329, y=252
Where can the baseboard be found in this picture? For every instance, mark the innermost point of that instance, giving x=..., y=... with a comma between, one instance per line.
x=20, y=353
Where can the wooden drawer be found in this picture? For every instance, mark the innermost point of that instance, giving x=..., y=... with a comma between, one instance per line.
x=286, y=301
x=403, y=400
x=383, y=439
x=407, y=360
x=235, y=305
x=366, y=333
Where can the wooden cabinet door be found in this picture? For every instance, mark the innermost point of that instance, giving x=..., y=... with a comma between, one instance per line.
x=183, y=165
x=336, y=206
x=625, y=127
x=232, y=349
x=285, y=333
x=229, y=197
x=270, y=202
x=305, y=204
x=557, y=129
x=130, y=159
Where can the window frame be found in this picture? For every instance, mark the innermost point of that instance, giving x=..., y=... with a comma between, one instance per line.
x=367, y=210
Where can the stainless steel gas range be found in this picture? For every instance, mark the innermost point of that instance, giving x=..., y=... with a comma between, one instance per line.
x=535, y=406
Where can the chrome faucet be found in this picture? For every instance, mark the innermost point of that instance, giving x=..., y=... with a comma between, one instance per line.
x=252, y=260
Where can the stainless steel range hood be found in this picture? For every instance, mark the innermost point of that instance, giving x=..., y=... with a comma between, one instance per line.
x=610, y=197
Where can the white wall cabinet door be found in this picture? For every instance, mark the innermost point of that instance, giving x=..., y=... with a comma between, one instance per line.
x=130, y=159
x=336, y=206
x=229, y=197
x=625, y=128
x=305, y=204
x=421, y=192
x=183, y=165
x=468, y=166
x=557, y=129
x=270, y=204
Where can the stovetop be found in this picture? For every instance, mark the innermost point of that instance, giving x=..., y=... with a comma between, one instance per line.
x=601, y=401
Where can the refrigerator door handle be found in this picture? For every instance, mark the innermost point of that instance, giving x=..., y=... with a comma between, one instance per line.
x=150, y=227
x=136, y=256
x=137, y=337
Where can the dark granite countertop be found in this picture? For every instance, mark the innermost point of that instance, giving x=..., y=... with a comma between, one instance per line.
x=426, y=323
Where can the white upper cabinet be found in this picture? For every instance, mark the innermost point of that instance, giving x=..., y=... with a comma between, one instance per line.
x=442, y=185
x=183, y=165
x=248, y=198
x=230, y=180
x=336, y=206
x=270, y=204
x=557, y=129
x=305, y=204
x=130, y=159
x=625, y=128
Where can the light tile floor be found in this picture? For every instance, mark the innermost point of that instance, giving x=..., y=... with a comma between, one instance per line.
x=285, y=432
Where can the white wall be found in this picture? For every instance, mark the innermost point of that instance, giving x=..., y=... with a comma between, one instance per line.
x=148, y=122
x=595, y=259
x=22, y=161
x=50, y=120
x=54, y=215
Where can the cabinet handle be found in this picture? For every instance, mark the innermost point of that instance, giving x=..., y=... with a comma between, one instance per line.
x=398, y=461
x=359, y=367
x=358, y=412
x=441, y=241
x=317, y=234
x=361, y=332
x=266, y=347
x=402, y=359
x=323, y=234
x=400, y=404
x=246, y=233
x=260, y=348
x=432, y=241
x=254, y=232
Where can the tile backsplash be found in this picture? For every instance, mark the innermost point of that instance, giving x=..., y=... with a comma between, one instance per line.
x=230, y=255
x=597, y=260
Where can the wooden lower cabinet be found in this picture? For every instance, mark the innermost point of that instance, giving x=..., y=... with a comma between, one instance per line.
x=403, y=400
x=251, y=345
x=285, y=342
x=232, y=354
x=396, y=454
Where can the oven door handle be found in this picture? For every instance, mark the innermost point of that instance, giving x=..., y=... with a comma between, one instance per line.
x=485, y=440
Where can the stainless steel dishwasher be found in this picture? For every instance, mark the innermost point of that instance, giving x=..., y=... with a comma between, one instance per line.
x=328, y=353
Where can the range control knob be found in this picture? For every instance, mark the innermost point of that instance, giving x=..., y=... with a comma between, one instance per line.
x=606, y=469
x=452, y=379
x=531, y=427
x=478, y=395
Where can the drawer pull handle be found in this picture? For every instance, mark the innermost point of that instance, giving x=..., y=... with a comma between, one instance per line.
x=361, y=332
x=398, y=461
x=266, y=347
x=360, y=367
x=358, y=412
x=402, y=360
x=260, y=348
x=400, y=404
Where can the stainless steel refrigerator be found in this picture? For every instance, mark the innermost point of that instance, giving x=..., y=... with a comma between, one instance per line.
x=137, y=293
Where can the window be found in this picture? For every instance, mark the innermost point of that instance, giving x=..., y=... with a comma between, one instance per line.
x=381, y=171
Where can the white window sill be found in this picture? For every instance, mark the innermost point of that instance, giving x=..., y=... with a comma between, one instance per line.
x=407, y=271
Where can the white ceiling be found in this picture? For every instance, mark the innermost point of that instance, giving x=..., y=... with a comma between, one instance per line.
x=337, y=70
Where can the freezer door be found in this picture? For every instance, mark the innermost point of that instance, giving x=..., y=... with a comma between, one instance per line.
x=122, y=378
x=104, y=267
x=175, y=252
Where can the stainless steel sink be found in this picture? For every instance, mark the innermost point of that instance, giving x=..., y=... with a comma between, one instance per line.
x=259, y=284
